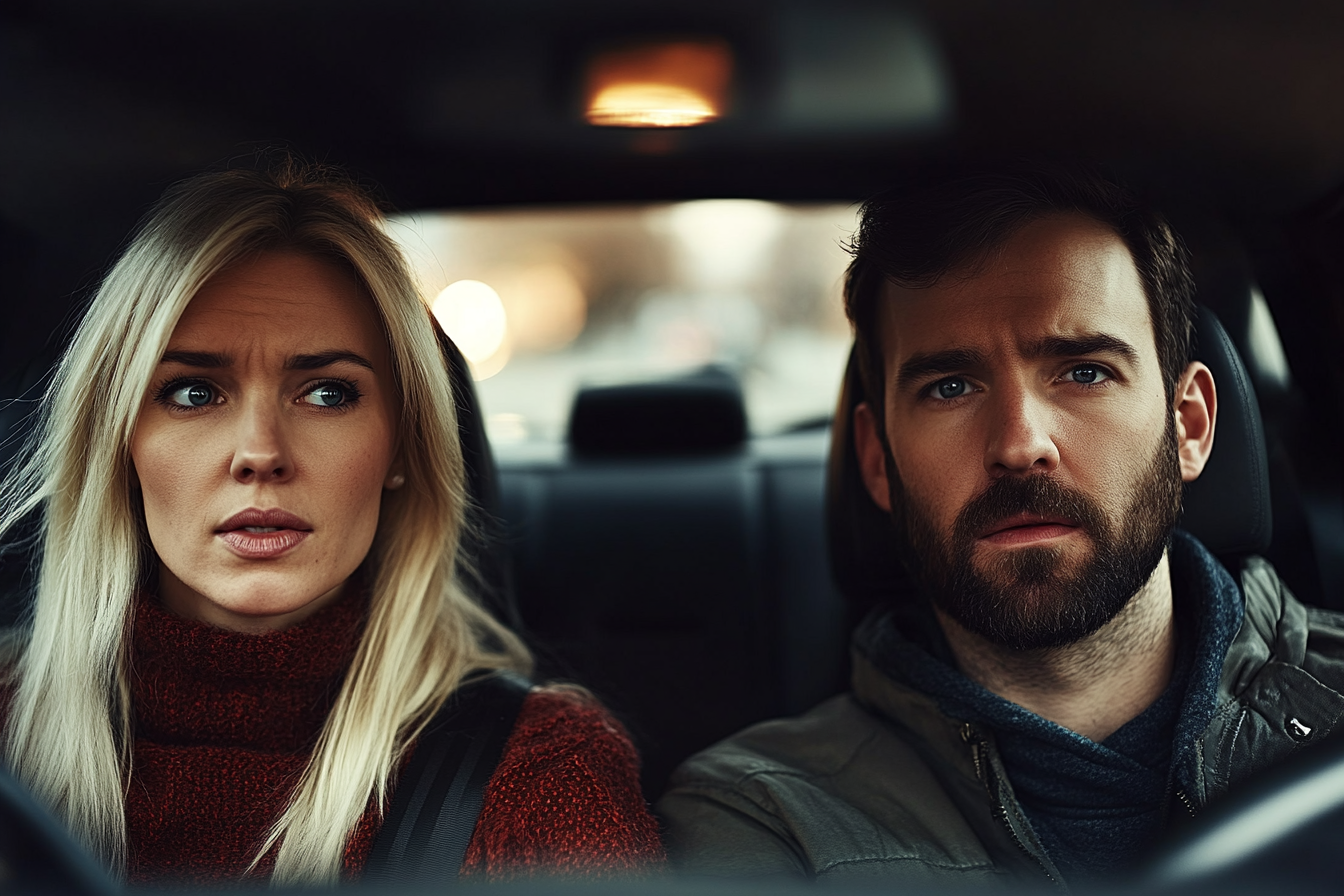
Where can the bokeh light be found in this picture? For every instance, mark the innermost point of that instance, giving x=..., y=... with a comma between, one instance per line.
x=473, y=316
x=725, y=242
x=545, y=303
x=613, y=293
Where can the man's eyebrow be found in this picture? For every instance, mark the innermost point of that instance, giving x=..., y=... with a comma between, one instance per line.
x=1087, y=344
x=922, y=366
x=325, y=359
x=210, y=360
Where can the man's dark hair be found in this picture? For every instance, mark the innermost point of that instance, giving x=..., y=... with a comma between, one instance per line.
x=914, y=234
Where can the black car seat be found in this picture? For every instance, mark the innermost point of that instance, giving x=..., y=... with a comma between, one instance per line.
x=483, y=540
x=675, y=566
x=1300, y=549
x=1227, y=508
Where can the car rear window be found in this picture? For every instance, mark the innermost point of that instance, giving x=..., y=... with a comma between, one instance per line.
x=545, y=301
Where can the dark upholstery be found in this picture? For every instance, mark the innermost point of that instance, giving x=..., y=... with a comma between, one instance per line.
x=1227, y=508
x=701, y=412
x=483, y=543
x=683, y=579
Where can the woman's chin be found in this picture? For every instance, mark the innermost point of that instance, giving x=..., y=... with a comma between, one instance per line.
x=253, y=606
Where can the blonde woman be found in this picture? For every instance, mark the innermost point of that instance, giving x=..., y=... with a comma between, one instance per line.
x=249, y=609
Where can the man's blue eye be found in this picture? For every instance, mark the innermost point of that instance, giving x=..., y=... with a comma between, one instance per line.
x=950, y=388
x=327, y=395
x=1088, y=374
x=196, y=395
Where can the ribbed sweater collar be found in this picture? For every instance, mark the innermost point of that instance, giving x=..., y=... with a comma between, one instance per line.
x=195, y=684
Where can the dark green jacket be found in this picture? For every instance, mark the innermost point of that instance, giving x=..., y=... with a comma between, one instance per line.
x=879, y=783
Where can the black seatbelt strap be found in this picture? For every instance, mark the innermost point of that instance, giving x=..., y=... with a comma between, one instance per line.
x=437, y=800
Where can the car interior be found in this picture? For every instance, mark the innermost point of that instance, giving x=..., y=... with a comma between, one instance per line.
x=694, y=568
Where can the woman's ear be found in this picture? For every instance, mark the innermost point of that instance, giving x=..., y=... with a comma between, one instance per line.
x=872, y=456
x=1196, y=410
x=395, y=478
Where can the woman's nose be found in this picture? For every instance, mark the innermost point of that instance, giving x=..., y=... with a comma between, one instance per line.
x=261, y=452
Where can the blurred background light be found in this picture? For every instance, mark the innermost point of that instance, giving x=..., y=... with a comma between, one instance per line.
x=473, y=316
x=724, y=242
x=659, y=85
x=545, y=305
x=621, y=293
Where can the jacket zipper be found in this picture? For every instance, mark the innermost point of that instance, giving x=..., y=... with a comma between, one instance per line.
x=984, y=771
x=1185, y=801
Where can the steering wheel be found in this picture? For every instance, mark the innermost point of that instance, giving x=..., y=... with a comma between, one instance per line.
x=1281, y=830
x=37, y=855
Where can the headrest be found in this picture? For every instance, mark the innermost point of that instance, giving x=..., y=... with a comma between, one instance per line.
x=695, y=414
x=1227, y=508
x=483, y=542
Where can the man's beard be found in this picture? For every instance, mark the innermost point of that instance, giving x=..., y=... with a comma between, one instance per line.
x=1033, y=598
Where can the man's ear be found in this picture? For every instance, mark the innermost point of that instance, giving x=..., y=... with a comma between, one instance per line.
x=872, y=456
x=1196, y=410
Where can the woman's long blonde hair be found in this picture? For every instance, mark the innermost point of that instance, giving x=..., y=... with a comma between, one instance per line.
x=69, y=724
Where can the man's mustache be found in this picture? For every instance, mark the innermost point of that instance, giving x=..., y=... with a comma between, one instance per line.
x=1039, y=495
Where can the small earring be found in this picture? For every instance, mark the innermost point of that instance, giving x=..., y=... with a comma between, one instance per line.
x=395, y=481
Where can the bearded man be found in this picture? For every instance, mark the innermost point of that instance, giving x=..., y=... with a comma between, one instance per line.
x=1070, y=672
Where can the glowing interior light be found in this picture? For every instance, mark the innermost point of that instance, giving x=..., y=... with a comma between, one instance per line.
x=471, y=313
x=659, y=85
x=650, y=106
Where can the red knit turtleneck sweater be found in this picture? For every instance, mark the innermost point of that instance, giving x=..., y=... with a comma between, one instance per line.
x=225, y=722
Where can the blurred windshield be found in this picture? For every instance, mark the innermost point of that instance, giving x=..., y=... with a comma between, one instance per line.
x=543, y=302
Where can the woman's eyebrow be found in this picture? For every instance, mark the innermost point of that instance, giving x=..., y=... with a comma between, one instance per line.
x=325, y=359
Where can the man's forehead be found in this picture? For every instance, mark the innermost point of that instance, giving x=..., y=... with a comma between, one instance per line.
x=1063, y=276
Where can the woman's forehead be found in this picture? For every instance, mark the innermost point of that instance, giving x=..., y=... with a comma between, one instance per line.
x=281, y=301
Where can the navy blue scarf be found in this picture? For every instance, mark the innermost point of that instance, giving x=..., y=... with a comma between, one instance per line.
x=1094, y=806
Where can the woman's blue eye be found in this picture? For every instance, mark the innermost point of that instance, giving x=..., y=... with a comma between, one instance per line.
x=196, y=395
x=953, y=387
x=327, y=395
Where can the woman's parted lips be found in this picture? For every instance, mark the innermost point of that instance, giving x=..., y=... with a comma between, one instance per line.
x=1023, y=520
x=253, y=518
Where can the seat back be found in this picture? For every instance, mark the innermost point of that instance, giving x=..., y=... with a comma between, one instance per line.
x=484, y=543
x=1227, y=508
x=679, y=571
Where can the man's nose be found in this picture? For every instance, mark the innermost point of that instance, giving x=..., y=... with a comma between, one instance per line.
x=261, y=451
x=1021, y=435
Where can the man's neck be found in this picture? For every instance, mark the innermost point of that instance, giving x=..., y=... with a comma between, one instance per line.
x=1093, y=686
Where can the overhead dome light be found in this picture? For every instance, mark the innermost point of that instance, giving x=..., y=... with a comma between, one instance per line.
x=659, y=85
x=636, y=105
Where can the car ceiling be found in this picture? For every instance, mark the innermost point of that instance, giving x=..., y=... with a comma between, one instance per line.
x=457, y=103
x=1229, y=107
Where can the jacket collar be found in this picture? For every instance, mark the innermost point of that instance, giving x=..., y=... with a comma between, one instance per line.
x=898, y=677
